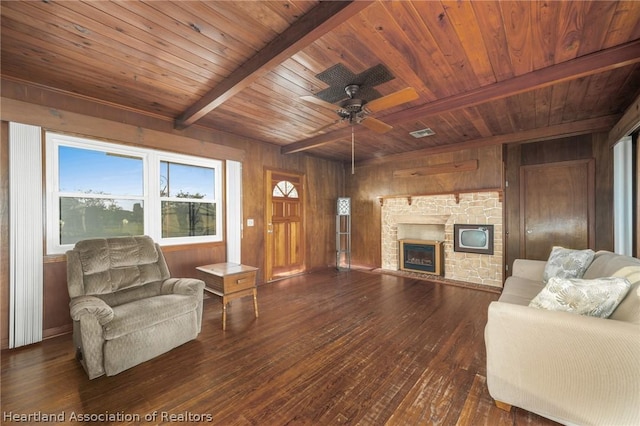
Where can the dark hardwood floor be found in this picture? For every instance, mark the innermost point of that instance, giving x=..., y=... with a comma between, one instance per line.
x=328, y=348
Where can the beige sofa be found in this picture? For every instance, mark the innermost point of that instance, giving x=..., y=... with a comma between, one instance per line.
x=570, y=368
x=125, y=307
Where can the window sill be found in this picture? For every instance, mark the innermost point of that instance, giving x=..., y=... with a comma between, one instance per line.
x=56, y=258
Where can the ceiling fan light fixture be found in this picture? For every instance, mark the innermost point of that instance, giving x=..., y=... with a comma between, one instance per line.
x=422, y=133
x=352, y=105
x=351, y=90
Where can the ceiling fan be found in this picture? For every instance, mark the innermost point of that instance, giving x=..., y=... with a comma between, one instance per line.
x=353, y=97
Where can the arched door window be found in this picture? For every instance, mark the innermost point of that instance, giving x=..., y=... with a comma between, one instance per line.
x=285, y=189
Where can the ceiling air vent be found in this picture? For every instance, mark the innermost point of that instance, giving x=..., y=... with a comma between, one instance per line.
x=422, y=133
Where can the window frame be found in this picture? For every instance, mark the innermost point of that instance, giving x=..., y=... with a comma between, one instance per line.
x=217, y=198
x=151, y=188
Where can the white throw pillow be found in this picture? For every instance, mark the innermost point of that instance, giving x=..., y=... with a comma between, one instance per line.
x=567, y=263
x=598, y=297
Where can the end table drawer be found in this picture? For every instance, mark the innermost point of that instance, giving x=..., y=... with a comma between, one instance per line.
x=237, y=282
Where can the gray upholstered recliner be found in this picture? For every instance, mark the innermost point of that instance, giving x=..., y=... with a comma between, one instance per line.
x=125, y=307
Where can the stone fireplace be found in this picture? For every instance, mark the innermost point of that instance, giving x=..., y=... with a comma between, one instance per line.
x=432, y=218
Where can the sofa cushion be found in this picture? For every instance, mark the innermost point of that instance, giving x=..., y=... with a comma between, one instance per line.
x=567, y=263
x=520, y=291
x=597, y=297
x=607, y=263
x=143, y=313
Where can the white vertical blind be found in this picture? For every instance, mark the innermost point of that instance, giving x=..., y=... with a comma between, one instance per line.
x=234, y=211
x=622, y=197
x=25, y=235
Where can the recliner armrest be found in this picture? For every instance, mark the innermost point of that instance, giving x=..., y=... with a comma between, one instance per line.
x=90, y=305
x=186, y=286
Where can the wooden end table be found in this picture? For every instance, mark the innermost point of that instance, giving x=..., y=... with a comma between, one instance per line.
x=230, y=281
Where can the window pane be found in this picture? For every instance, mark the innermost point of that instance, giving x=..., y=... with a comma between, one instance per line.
x=97, y=172
x=188, y=219
x=82, y=218
x=284, y=188
x=182, y=181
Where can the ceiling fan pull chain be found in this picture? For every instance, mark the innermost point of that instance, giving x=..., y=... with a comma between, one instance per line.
x=353, y=167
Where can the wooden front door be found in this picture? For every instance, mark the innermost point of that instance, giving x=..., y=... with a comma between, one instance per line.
x=557, y=207
x=284, y=234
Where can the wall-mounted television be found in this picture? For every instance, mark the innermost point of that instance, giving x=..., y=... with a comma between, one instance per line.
x=473, y=238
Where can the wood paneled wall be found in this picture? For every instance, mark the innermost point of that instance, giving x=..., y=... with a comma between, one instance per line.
x=566, y=149
x=372, y=181
x=325, y=182
x=63, y=113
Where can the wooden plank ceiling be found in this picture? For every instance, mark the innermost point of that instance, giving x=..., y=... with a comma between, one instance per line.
x=484, y=71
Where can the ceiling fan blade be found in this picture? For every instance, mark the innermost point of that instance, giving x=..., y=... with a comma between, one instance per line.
x=313, y=132
x=319, y=102
x=400, y=97
x=375, y=125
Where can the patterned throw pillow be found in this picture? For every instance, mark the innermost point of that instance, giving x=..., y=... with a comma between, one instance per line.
x=597, y=298
x=567, y=263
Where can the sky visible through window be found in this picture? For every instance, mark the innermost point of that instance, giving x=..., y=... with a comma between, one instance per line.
x=186, y=180
x=88, y=171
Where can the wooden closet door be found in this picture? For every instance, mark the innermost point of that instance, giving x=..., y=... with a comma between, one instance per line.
x=557, y=207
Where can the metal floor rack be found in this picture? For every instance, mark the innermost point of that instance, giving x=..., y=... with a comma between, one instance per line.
x=343, y=233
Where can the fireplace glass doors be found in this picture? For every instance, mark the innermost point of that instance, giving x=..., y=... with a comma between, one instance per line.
x=422, y=256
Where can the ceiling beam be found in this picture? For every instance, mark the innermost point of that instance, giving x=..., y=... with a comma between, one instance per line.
x=565, y=130
x=319, y=140
x=594, y=63
x=318, y=21
x=629, y=123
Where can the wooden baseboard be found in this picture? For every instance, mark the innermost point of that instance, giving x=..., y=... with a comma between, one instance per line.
x=57, y=331
x=46, y=334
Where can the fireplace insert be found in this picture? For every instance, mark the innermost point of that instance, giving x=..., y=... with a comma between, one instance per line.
x=422, y=256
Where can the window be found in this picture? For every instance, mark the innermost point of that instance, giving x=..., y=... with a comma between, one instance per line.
x=187, y=194
x=100, y=194
x=623, y=196
x=100, y=190
x=285, y=189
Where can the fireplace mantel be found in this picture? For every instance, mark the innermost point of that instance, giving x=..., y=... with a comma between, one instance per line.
x=421, y=219
x=456, y=194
